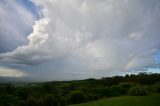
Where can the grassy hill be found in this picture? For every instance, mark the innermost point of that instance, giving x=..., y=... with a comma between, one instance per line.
x=151, y=100
x=119, y=91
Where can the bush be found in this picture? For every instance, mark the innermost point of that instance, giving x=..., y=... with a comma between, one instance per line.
x=49, y=101
x=76, y=97
x=105, y=92
x=124, y=87
x=31, y=101
x=21, y=103
x=92, y=96
x=138, y=91
x=8, y=100
x=117, y=90
x=157, y=86
x=52, y=100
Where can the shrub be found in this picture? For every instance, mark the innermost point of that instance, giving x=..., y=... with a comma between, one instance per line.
x=76, y=97
x=91, y=96
x=21, y=103
x=118, y=90
x=53, y=100
x=49, y=101
x=31, y=101
x=138, y=91
x=105, y=92
x=157, y=86
x=124, y=87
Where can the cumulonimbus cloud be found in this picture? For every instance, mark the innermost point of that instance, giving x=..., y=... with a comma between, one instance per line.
x=16, y=23
x=100, y=35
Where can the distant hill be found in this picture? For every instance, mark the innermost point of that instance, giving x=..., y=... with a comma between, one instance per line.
x=15, y=79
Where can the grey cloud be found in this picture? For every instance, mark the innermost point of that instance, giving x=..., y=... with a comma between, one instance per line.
x=91, y=37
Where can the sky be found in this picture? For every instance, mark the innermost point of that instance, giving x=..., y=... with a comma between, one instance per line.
x=78, y=39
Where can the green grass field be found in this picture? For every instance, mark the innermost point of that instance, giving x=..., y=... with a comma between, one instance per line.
x=151, y=100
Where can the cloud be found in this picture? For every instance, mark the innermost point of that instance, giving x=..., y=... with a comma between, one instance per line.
x=16, y=23
x=142, y=61
x=135, y=35
x=98, y=37
x=10, y=72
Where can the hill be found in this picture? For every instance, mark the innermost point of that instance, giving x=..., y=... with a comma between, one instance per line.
x=62, y=93
x=151, y=100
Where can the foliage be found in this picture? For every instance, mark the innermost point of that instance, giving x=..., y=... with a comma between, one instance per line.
x=76, y=97
x=62, y=93
x=31, y=101
x=150, y=100
x=138, y=91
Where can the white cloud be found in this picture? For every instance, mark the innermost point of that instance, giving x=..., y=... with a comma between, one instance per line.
x=93, y=35
x=16, y=22
x=135, y=36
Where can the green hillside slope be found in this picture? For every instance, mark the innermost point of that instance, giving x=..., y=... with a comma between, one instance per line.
x=151, y=100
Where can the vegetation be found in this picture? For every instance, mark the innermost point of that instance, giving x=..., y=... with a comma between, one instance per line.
x=151, y=100
x=62, y=93
x=138, y=91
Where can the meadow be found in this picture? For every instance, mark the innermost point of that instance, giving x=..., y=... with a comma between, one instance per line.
x=150, y=100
